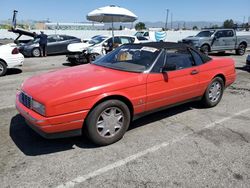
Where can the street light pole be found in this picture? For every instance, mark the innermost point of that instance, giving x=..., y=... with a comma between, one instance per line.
x=166, y=23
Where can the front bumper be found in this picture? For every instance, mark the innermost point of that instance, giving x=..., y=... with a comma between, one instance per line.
x=60, y=126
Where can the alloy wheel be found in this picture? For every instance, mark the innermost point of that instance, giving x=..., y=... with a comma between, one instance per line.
x=110, y=122
x=215, y=91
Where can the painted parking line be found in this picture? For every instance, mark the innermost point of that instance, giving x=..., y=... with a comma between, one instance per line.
x=124, y=161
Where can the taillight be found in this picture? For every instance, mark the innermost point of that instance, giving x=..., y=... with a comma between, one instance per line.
x=15, y=51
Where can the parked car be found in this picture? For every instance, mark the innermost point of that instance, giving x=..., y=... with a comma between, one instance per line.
x=248, y=61
x=103, y=97
x=219, y=40
x=154, y=36
x=9, y=58
x=57, y=44
x=99, y=45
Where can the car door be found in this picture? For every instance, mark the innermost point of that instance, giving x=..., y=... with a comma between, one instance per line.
x=229, y=39
x=52, y=45
x=173, y=86
x=218, y=42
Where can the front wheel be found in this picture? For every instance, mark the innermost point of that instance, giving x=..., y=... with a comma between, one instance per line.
x=241, y=50
x=3, y=68
x=213, y=93
x=205, y=49
x=108, y=122
x=36, y=52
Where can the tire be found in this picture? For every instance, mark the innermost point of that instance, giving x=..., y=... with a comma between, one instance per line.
x=94, y=56
x=36, y=52
x=205, y=49
x=241, y=50
x=3, y=68
x=107, y=122
x=213, y=93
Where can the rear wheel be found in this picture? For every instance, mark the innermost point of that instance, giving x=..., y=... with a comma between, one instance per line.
x=108, y=122
x=205, y=49
x=3, y=68
x=241, y=50
x=213, y=93
x=36, y=52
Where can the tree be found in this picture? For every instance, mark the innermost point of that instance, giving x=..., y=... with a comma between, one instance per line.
x=215, y=26
x=195, y=28
x=140, y=26
x=228, y=24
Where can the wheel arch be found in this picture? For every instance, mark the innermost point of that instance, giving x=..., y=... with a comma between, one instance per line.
x=220, y=75
x=116, y=97
x=244, y=43
x=4, y=62
x=112, y=97
x=207, y=44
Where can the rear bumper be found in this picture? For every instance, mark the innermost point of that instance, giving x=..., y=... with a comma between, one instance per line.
x=66, y=125
x=230, y=79
x=15, y=60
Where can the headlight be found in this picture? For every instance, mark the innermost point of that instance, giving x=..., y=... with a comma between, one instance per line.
x=38, y=107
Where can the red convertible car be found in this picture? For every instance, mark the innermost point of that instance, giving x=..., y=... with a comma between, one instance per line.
x=103, y=97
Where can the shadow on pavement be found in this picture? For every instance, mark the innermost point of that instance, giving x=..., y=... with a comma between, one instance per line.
x=221, y=54
x=247, y=69
x=32, y=144
x=13, y=71
x=69, y=64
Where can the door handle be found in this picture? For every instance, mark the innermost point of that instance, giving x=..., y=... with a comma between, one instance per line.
x=193, y=72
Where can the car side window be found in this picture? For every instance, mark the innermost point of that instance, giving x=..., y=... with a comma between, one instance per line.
x=179, y=58
x=125, y=40
x=51, y=39
x=220, y=34
x=160, y=62
x=229, y=33
x=146, y=34
x=197, y=57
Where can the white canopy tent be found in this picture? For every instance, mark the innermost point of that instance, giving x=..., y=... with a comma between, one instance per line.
x=111, y=14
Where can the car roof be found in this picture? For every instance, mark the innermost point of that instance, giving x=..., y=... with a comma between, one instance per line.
x=164, y=45
x=171, y=45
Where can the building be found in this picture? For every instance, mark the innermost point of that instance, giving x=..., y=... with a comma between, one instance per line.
x=73, y=26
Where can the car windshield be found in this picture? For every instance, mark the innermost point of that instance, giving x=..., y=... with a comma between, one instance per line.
x=130, y=57
x=139, y=34
x=97, y=40
x=205, y=33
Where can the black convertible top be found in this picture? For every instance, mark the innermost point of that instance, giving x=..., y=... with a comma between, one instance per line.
x=172, y=45
x=165, y=45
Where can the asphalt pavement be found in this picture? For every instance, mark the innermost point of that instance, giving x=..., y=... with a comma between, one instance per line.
x=184, y=146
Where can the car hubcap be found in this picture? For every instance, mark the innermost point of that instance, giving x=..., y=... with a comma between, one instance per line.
x=214, y=92
x=1, y=68
x=242, y=50
x=110, y=122
x=36, y=53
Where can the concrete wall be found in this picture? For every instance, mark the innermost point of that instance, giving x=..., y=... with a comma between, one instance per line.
x=172, y=36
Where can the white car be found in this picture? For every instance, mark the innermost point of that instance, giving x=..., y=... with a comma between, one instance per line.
x=9, y=58
x=97, y=46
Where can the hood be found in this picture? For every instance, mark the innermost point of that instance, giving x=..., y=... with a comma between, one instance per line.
x=191, y=38
x=78, y=82
x=78, y=47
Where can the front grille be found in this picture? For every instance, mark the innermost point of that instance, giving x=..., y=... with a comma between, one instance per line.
x=25, y=100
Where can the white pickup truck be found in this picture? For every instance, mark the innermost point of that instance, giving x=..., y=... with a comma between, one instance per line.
x=9, y=58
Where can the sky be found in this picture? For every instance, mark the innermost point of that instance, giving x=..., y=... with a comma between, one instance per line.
x=146, y=10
